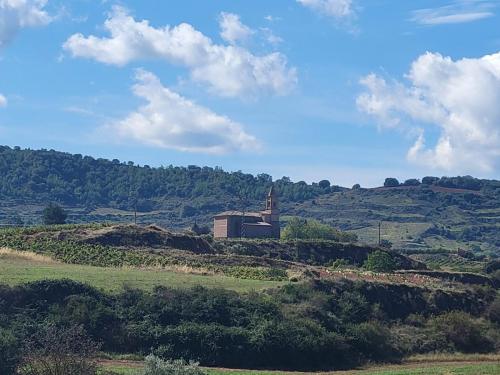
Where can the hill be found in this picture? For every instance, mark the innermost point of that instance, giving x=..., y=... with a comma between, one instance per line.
x=141, y=288
x=444, y=220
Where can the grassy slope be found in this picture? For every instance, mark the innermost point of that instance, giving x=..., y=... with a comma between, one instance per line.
x=405, y=214
x=20, y=268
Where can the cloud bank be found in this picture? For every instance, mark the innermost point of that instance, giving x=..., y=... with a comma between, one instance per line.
x=171, y=121
x=227, y=70
x=459, y=99
x=18, y=14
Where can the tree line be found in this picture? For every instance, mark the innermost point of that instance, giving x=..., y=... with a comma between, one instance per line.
x=44, y=176
x=77, y=180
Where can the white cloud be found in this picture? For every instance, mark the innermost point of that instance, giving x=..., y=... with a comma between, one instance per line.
x=232, y=30
x=3, y=101
x=171, y=121
x=227, y=70
x=460, y=11
x=458, y=98
x=270, y=37
x=332, y=8
x=271, y=18
x=18, y=14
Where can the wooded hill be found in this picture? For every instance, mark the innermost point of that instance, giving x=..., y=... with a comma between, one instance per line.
x=440, y=214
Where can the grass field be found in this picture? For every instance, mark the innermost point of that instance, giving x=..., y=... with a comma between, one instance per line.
x=18, y=267
x=395, y=232
x=486, y=368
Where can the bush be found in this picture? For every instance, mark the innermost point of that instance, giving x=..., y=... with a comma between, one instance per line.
x=157, y=366
x=494, y=310
x=429, y=180
x=462, y=332
x=374, y=342
x=391, y=182
x=57, y=351
x=53, y=215
x=324, y=184
x=380, y=261
x=412, y=182
x=298, y=228
x=9, y=353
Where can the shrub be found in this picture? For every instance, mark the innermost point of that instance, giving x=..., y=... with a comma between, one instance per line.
x=462, y=332
x=324, y=184
x=391, y=182
x=429, y=180
x=200, y=230
x=412, y=182
x=9, y=352
x=256, y=273
x=157, y=366
x=494, y=310
x=338, y=264
x=380, y=261
x=352, y=307
x=53, y=215
x=373, y=341
x=297, y=228
x=56, y=351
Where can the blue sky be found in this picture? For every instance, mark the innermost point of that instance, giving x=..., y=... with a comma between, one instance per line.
x=348, y=90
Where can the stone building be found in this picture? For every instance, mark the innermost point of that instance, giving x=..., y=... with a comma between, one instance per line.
x=263, y=224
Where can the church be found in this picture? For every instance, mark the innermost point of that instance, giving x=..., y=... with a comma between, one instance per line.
x=263, y=224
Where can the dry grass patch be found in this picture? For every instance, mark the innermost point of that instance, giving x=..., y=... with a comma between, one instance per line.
x=6, y=253
x=453, y=357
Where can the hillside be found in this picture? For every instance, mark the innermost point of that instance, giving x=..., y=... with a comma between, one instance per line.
x=441, y=219
x=239, y=303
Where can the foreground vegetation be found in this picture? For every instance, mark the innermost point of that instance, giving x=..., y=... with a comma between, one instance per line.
x=305, y=326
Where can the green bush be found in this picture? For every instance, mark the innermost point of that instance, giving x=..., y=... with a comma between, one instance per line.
x=256, y=273
x=54, y=215
x=380, y=261
x=9, y=352
x=373, y=341
x=157, y=366
x=462, y=332
x=391, y=182
x=297, y=228
x=315, y=325
x=494, y=311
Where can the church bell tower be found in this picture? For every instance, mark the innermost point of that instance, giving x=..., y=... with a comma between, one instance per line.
x=273, y=211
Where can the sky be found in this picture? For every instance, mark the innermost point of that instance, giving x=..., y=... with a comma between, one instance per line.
x=352, y=91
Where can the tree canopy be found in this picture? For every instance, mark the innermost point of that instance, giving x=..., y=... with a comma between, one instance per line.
x=44, y=176
x=297, y=228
